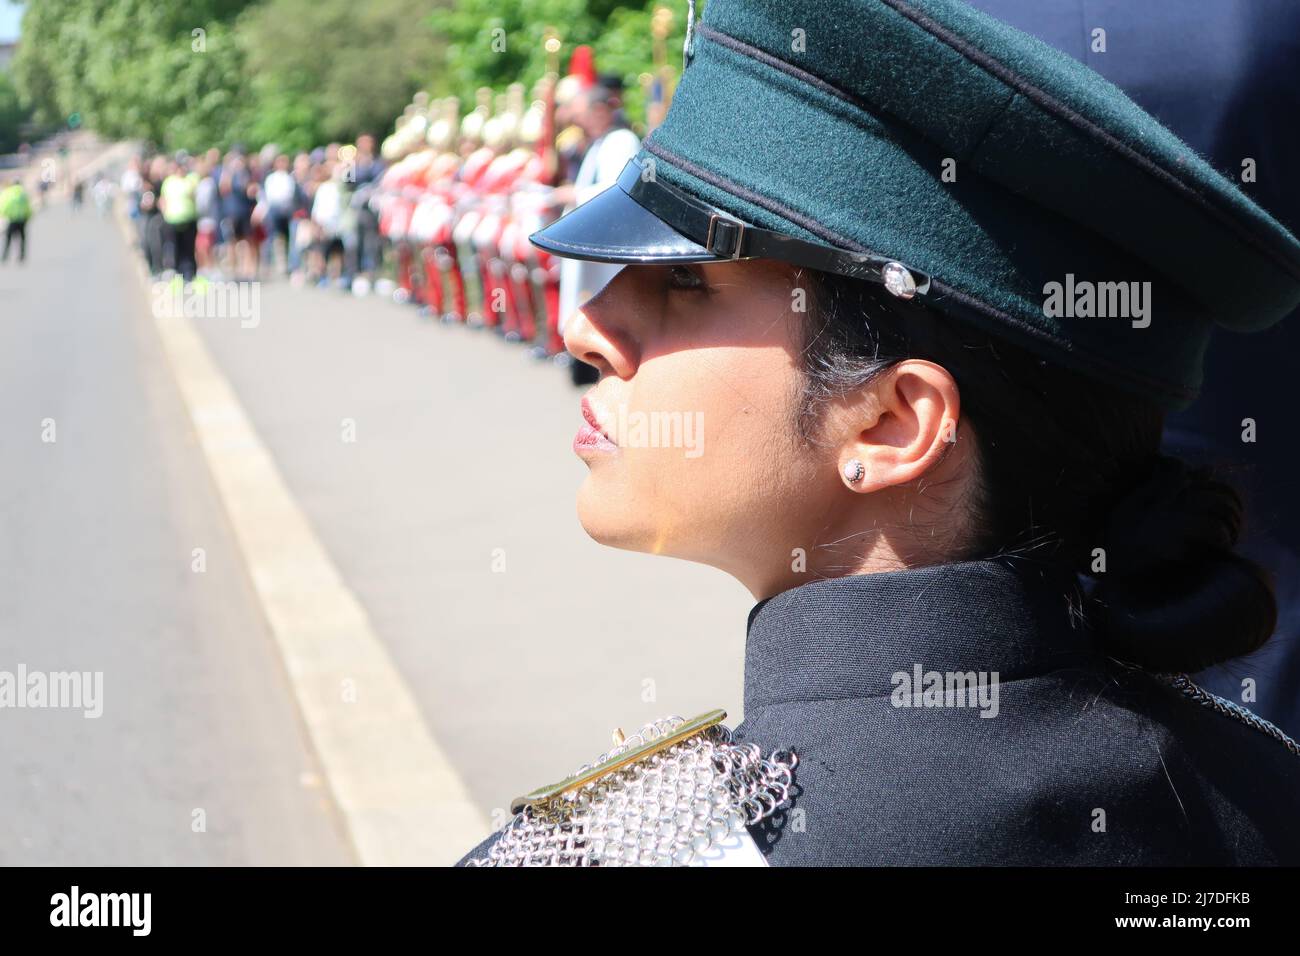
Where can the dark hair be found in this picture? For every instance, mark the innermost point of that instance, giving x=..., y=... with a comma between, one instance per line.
x=611, y=81
x=608, y=91
x=1067, y=465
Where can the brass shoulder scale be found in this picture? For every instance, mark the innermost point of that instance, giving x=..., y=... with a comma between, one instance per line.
x=618, y=759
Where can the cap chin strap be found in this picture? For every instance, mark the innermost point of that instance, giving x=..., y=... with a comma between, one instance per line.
x=728, y=238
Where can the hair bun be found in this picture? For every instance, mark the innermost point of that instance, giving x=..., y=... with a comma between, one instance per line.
x=1176, y=515
x=1174, y=596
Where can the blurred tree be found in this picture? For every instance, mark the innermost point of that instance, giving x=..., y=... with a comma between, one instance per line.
x=284, y=116
x=195, y=73
x=14, y=115
x=164, y=70
x=330, y=69
x=494, y=43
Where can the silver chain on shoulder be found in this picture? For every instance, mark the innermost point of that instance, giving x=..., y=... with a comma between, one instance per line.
x=1193, y=691
x=663, y=810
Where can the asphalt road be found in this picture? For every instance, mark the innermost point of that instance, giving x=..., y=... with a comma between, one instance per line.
x=523, y=642
x=198, y=756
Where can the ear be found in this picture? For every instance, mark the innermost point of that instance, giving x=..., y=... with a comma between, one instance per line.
x=903, y=426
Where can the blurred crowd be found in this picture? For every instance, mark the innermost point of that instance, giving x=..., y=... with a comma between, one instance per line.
x=245, y=216
x=438, y=215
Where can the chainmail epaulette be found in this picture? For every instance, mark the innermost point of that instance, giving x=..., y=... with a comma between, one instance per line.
x=664, y=808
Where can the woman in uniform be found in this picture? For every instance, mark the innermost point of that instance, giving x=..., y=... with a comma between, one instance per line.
x=928, y=289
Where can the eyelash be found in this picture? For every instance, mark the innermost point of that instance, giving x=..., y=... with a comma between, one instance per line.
x=680, y=277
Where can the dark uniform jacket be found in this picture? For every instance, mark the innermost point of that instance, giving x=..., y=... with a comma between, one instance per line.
x=1066, y=758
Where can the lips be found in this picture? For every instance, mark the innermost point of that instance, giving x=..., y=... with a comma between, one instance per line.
x=590, y=415
x=591, y=436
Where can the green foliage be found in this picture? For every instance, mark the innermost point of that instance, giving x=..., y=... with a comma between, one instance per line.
x=494, y=43
x=13, y=114
x=285, y=116
x=135, y=68
x=331, y=69
x=301, y=72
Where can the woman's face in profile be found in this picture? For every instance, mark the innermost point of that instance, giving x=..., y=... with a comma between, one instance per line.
x=698, y=396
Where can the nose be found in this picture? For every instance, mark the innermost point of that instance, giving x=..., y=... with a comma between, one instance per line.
x=591, y=335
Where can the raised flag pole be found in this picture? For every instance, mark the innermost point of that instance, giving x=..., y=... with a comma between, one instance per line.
x=546, y=141
x=658, y=84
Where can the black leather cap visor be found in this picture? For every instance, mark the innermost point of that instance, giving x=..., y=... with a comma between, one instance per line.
x=643, y=220
x=614, y=227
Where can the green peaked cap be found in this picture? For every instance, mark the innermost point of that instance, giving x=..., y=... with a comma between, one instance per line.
x=1037, y=200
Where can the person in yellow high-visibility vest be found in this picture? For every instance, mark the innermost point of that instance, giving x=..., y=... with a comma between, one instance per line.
x=180, y=213
x=15, y=210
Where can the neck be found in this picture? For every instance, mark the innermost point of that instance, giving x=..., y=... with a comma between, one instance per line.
x=851, y=542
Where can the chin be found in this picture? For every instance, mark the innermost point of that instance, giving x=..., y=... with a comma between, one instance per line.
x=601, y=518
x=612, y=520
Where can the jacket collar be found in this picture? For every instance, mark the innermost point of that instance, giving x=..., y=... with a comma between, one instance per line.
x=848, y=637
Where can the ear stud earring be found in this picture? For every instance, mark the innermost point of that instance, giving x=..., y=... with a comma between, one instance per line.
x=853, y=471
